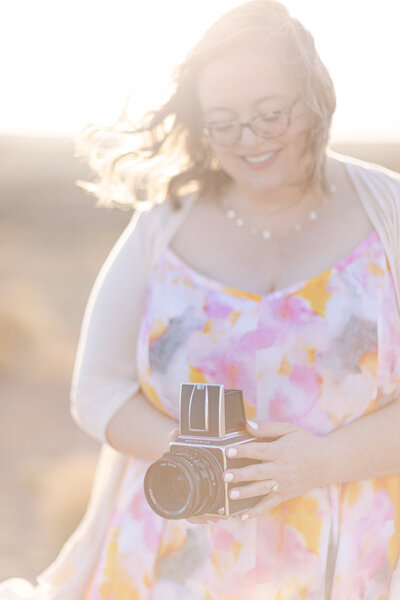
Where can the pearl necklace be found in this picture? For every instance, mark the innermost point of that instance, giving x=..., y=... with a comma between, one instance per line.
x=266, y=234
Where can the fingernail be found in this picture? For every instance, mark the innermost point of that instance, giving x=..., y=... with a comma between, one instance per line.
x=234, y=494
x=228, y=477
x=253, y=424
x=231, y=452
x=244, y=517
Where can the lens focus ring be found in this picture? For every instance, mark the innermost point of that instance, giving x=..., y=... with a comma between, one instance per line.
x=184, y=483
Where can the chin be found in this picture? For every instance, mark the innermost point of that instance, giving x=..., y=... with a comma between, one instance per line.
x=264, y=185
x=272, y=179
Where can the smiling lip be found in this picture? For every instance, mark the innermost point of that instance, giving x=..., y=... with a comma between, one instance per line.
x=259, y=160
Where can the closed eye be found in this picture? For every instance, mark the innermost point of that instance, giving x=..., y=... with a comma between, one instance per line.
x=221, y=126
x=269, y=117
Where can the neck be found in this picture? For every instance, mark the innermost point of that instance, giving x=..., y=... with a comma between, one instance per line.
x=281, y=201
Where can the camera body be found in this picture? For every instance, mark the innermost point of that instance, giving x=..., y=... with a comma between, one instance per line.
x=187, y=480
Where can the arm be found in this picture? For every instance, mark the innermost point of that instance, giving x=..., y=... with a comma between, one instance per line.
x=106, y=398
x=372, y=442
x=299, y=461
x=140, y=429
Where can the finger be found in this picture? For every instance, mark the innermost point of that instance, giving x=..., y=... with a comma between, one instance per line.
x=257, y=472
x=270, y=429
x=173, y=434
x=259, y=488
x=263, y=506
x=202, y=520
x=256, y=450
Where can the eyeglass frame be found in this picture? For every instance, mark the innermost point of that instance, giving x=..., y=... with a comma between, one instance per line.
x=289, y=112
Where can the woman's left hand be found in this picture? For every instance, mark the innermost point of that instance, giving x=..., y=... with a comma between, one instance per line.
x=295, y=462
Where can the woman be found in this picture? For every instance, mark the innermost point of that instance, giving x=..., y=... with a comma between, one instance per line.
x=278, y=275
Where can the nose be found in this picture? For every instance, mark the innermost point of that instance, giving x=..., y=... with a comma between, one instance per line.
x=247, y=135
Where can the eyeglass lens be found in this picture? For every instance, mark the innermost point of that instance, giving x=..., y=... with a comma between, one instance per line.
x=269, y=126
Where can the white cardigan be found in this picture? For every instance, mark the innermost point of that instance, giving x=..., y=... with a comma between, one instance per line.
x=105, y=375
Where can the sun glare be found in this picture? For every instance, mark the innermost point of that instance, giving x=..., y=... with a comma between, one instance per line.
x=70, y=63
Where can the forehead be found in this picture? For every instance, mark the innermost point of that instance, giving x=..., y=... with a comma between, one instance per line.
x=238, y=79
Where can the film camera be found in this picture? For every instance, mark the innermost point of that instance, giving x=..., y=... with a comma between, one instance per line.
x=187, y=480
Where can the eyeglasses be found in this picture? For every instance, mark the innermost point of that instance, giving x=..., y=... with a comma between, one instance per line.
x=271, y=124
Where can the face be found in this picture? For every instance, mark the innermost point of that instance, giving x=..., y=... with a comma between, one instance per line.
x=243, y=85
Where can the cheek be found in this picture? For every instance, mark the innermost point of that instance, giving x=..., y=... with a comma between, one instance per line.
x=296, y=155
x=226, y=159
x=296, y=140
x=220, y=152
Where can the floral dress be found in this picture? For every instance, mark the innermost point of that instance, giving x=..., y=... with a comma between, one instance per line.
x=319, y=354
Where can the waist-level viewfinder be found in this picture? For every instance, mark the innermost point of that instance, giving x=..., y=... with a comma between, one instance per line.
x=209, y=410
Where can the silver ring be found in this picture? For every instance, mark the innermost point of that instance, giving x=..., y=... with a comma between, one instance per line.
x=275, y=485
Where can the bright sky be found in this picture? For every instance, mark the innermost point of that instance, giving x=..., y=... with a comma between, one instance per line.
x=70, y=62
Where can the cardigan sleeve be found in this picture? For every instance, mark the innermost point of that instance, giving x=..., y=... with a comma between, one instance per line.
x=105, y=374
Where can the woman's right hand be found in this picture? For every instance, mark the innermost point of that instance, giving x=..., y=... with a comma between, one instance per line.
x=203, y=520
x=173, y=434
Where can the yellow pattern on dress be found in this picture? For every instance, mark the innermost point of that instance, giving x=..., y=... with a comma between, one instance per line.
x=241, y=294
x=158, y=329
x=116, y=582
x=285, y=367
x=302, y=514
x=196, y=376
x=375, y=269
x=351, y=492
x=175, y=540
x=235, y=548
x=390, y=485
x=150, y=392
x=233, y=317
x=369, y=363
x=316, y=293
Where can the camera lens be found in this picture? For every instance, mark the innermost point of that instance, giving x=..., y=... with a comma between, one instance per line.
x=184, y=483
x=168, y=486
x=177, y=486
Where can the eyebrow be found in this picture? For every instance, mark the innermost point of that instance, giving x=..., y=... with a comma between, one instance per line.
x=226, y=109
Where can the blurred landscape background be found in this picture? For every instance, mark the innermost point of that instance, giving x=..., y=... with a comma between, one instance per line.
x=53, y=240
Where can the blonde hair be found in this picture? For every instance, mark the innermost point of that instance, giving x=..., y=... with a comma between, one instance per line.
x=166, y=155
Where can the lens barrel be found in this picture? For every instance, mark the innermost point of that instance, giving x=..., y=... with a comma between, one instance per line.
x=184, y=483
